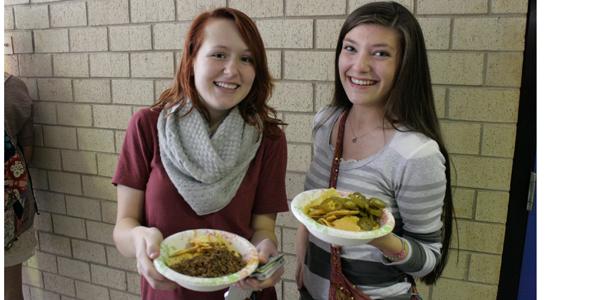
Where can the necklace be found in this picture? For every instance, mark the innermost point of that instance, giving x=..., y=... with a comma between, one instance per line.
x=355, y=137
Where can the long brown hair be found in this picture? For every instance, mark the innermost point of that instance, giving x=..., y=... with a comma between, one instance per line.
x=411, y=101
x=253, y=108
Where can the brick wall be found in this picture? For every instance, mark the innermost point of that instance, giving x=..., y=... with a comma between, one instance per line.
x=90, y=64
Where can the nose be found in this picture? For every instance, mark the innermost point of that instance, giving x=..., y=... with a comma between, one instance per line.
x=231, y=67
x=361, y=63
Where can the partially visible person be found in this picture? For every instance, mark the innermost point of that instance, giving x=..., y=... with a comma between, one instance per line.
x=19, y=203
x=381, y=137
x=209, y=154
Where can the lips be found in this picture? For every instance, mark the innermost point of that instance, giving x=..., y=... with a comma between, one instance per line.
x=226, y=85
x=362, y=82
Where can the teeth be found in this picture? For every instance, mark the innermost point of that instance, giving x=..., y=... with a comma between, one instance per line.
x=226, y=85
x=362, y=82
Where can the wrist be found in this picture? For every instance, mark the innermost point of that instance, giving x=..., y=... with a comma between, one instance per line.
x=262, y=235
x=386, y=243
x=268, y=242
x=137, y=231
x=396, y=256
x=140, y=234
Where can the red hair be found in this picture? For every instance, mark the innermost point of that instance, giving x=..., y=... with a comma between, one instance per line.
x=253, y=108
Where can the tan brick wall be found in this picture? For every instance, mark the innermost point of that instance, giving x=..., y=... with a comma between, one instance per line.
x=89, y=64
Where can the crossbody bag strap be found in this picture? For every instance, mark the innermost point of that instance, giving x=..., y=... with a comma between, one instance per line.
x=335, y=251
x=338, y=150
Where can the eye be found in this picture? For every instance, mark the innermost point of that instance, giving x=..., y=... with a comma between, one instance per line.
x=218, y=55
x=247, y=59
x=381, y=53
x=349, y=48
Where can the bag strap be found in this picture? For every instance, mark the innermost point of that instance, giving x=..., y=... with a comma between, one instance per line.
x=338, y=150
x=335, y=251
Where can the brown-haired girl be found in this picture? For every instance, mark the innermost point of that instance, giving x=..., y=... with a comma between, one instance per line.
x=208, y=154
x=382, y=119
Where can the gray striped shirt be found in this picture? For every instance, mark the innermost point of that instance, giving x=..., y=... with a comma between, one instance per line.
x=409, y=175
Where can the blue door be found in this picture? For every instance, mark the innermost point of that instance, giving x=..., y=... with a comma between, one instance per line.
x=527, y=288
x=518, y=270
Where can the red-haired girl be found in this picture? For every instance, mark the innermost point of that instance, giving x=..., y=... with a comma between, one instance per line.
x=208, y=154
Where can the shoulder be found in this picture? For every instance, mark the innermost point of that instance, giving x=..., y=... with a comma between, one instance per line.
x=143, y=125
x=145, y=117
x=14, y=82
x=274, y=138
x=325, y=118
x=326, y=113
x=15, y=87
x=415, y=145
x=272, y=149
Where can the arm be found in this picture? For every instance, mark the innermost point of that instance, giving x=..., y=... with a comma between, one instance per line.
x=28, y=153
x=19, y=114
x=26, y=136
x=25, y=140
x=271, y=197
x=391, y=246
x=420, y=200
x=264, y=228
x=266, y=243
x=301, y=240
x=134, y=240
x=129, y=210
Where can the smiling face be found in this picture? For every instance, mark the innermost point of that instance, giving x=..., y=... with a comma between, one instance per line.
x=223, y=68
x=368, y=63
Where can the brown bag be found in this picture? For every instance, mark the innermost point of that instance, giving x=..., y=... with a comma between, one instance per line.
x=340, y=287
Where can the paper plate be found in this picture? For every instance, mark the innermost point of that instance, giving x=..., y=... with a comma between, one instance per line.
x=178, y=241
x=337, y=236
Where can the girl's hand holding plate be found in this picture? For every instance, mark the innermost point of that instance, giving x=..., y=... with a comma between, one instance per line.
x=266, y=249
x=147, y=248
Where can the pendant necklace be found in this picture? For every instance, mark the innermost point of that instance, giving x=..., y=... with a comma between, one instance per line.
x=356, y=137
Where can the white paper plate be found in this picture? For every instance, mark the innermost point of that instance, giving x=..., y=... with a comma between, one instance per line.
x=337, y=236
x=179, y=241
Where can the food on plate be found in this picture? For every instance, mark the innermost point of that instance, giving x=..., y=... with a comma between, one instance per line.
x=353, y=212
x=207, y=258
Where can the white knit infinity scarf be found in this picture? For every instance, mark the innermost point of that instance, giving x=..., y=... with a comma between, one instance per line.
x=206, y=171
